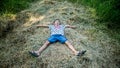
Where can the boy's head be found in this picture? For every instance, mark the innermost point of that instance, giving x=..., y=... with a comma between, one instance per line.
x=56, y=22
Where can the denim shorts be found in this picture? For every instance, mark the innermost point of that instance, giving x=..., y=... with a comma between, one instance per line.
x=57, y=37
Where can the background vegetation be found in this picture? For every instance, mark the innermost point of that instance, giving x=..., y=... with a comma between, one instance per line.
x=13, y=6
x=107, y=10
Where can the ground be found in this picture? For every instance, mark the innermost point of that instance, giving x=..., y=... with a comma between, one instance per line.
x=102, y=50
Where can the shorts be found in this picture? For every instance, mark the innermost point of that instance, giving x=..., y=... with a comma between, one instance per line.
x=57, y=37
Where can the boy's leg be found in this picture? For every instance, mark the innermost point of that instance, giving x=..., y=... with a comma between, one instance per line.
x=51, y=39
x=71, y=47
x=45, y=45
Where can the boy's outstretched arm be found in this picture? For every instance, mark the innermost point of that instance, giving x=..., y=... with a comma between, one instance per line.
x=46, y=26
x=69, y=26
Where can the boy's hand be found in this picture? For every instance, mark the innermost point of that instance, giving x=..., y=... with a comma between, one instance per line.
x=69, y=26
x=37, y=26
x=73, y=27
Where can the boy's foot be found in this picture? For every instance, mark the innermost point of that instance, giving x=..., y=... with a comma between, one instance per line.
x=33, y=53
x=80, y=53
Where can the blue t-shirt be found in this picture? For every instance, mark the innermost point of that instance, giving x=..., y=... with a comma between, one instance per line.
x=59, y=30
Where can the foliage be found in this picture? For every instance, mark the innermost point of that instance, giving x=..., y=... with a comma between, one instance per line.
x=13, y=6
x=107, y=10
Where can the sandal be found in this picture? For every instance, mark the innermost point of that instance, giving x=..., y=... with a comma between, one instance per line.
x=33, y=54
x=81, y=53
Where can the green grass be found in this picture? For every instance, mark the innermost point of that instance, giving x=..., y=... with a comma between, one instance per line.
x=107, y=10
x=14, y=6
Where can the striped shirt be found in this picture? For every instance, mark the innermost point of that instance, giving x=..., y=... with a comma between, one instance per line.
x=58, y=30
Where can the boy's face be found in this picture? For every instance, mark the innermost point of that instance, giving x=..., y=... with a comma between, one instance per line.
x=56, y=23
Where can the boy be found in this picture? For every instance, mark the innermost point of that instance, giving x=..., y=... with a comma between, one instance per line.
x=57, y=34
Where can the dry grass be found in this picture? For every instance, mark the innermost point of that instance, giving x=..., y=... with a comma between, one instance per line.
x=102, y=51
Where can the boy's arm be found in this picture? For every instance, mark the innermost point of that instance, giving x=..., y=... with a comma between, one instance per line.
x=46, y=26
x=69, y=26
